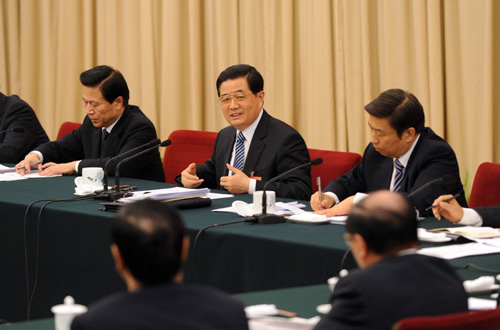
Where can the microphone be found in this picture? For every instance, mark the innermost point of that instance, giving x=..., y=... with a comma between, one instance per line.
x=448, y=179
x=117, y=194
x=15, y=130
x=155, y=142
x=265, y=218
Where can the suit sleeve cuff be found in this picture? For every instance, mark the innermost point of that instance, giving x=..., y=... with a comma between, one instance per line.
x=335, y=197
x=39, y=155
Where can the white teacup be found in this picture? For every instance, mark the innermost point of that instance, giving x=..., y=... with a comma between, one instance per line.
x=270, y=202
x=91, y=176
x=65, y=313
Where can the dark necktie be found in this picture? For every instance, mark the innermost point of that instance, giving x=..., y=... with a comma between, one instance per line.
x=398, y=179
x=239, y=155
x=104, y=137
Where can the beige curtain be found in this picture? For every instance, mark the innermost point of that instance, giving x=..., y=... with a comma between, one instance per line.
x=322, y=61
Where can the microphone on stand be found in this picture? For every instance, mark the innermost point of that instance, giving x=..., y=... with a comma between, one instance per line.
x=15, y=130
x=265, y=218
x=117, y=194
x=447, y=179
x=155, y=142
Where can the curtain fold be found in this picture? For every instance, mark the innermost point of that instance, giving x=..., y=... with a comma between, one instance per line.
x=322, y=61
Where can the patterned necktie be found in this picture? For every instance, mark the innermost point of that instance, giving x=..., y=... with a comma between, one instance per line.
x=104, y=137
x=398, y=179
x=239, y=155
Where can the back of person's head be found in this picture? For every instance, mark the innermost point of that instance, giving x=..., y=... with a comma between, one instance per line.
x=401, y=107
x=254, y=78
x=110, y=82
x=386, y=221
x=149, y=235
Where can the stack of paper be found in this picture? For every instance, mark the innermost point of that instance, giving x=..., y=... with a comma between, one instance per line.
x=165, y=194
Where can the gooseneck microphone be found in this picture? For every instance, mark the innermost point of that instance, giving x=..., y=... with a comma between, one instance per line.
x=165, y=143
x=15, y=130
x=155, y=142
x=447, y=179
x=265, y=218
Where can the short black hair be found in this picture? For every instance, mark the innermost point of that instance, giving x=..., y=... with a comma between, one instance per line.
x=401, y=107
x=149, y=235
x=110, y=82
x=386, y=230
x=254, y=78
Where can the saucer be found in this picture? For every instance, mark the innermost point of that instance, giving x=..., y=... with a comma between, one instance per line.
x=324, y=309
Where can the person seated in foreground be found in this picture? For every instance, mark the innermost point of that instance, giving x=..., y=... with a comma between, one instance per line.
x=487, y=216
x=403, y=155
x=393, y=281
x=255, y=148
x=149, y=245
x=111, y=127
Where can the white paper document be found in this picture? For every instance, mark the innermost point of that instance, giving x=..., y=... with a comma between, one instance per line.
x=8, y=175
x=459, y=250
x=476, y=304
x=166, y=193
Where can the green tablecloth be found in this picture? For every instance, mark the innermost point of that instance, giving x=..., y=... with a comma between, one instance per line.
x=74, y=257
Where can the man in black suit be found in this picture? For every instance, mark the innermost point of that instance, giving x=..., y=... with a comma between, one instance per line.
x=487, y=216
x=15, y=113
x=403, y=155
x=111, y=127
x=269, y=147
x=393, y=282
x=149, y=245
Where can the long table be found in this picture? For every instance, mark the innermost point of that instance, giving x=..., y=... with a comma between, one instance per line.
x=74, y=258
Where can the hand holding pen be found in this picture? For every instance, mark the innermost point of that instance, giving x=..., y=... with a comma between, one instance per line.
x=447, y=206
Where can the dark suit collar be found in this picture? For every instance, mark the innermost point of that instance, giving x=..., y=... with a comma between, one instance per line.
x=115, y=136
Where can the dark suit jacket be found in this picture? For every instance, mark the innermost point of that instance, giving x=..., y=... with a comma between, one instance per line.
x=275, y=148
x=490, y=215
x=394, y=288
x=132, y=130
x=167, y=306
x=15, y=113
x=431, y=158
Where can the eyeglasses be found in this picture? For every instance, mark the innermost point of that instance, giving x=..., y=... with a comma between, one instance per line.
x=347, y=239
x=239, y=97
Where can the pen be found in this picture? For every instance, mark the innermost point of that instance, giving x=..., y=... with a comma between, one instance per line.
x=444, y=200
x=23, y=167
x=318, y=181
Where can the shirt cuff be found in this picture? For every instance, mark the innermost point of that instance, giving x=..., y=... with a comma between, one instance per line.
x=76, y=166
x=359, y=197
x=251, y=187
x=471, y=218
x=335, y=197
x=39, y=155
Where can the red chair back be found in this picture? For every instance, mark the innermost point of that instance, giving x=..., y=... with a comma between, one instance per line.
x=486, y=187
x=335, y=164
x=479, y=320
x=66, y=128
x=187, y=147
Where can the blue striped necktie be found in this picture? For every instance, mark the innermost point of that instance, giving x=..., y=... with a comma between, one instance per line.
x=398, y=179
x=239, y=155
x=104, y=137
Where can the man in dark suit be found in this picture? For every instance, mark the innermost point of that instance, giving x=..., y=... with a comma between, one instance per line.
x=149, y=245
x=15, y=113
x=255, y=148
x=393, y=282
x=403, y=155
x=111, y=127
x=487, y=216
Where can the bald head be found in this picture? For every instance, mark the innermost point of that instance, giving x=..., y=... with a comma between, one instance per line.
x=386, y=221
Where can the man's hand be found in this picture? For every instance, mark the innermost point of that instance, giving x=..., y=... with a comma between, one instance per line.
x=327, y=201
x=451, y=210
x=342, y=208
x=49, y=169
x=238, y=183
x=189, y=178
x=29, y=159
